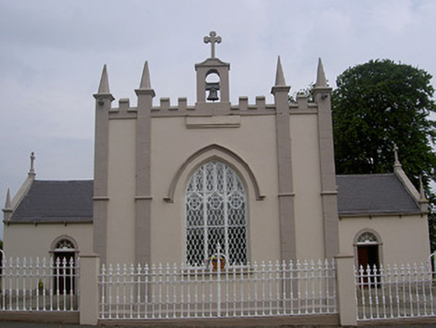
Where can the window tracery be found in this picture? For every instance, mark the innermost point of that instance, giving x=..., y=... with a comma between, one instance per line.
x=64, y=244
x=367, y=238
x=216, y=214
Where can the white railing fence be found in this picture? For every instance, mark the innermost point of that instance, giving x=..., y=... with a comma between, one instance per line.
x=398, y=291
x=39, y=285
x=177, y=291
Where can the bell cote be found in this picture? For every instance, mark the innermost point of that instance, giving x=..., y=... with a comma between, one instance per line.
x=212, y=77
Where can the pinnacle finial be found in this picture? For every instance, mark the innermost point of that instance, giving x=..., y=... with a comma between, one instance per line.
x=212, y=39
x=280, y=78
x=32, y=162
x=145, y=80
x=421, y=188
x=104, y=82
x=8, y=204
x=321, y=81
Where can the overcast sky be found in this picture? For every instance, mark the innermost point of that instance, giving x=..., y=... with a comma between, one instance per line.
x=52, y=54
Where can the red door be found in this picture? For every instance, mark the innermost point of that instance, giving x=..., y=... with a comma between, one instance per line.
x=367, y=255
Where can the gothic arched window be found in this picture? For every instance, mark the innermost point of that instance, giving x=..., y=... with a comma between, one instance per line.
x=65, y=245
x=216, y=214
x=367, y=238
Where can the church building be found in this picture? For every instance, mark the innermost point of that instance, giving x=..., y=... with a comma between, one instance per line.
x=255, y=181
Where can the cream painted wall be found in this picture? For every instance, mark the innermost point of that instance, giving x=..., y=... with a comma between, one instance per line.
x=172, y=144
x=403, y=239
x=253, y=140
x=31, y=241
x=307, y=186
x=121, y=186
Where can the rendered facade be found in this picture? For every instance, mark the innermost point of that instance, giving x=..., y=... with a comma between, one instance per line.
x=173, y=182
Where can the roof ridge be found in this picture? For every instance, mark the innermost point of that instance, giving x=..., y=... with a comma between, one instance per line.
x=365, y=175
x=76, y=180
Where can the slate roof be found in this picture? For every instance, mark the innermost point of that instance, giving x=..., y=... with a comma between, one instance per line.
x=373, y=194
x=56, y=201
x=71, y=201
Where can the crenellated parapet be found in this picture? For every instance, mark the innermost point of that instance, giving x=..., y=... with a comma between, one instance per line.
x=167, y=108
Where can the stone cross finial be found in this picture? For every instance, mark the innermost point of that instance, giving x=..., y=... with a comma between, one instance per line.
x=32, y=160
x=212, y=39
x=396, y=154
x=397, y=164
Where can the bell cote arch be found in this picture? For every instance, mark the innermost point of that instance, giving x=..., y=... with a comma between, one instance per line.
x=219, y=153
x=206, y=89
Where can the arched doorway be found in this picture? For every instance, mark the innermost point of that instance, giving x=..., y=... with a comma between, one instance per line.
x=368, y=250
x=64, y=263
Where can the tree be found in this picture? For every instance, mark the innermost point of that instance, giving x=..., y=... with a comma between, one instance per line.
x=377, y=105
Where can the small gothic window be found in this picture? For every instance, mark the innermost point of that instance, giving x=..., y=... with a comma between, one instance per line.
x=64, y=244
x=367, y=238
x=216, y=214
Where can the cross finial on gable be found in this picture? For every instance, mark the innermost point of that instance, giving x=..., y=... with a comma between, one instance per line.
x=397, y=162
x=32, y=160
x=212, y=39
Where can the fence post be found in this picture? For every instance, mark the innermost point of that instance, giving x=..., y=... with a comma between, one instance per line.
x=89, y=292
x=346, y=291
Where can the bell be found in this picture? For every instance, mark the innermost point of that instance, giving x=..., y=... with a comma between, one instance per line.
x=213, y=88
x=213, y=95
